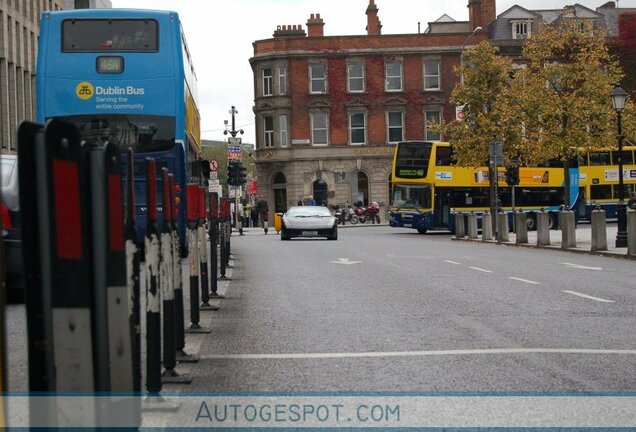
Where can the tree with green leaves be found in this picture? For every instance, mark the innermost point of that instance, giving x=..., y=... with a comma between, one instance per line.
x=562, y=96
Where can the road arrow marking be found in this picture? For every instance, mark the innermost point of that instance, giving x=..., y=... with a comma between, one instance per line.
x=481, y=269
x=585, y=296
x=345, y=261
x=579, y=266
x=524, y=280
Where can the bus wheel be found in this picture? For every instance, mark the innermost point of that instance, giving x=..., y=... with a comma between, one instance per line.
x=531, y=222
x=421, y=230
x=553, y=221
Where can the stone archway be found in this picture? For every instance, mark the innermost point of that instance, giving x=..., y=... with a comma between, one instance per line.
x=321, y=191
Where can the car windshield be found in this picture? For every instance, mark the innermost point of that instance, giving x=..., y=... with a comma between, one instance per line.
x=308, y=211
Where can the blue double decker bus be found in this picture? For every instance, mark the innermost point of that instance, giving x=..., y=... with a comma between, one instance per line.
x=124, y=76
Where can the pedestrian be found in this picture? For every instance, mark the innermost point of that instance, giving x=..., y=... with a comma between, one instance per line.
x=262, y=208
x=632, y=201
x=254, y=215
x=312, y=201
x=300, y=201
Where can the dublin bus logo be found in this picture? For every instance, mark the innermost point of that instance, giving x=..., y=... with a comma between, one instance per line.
x=84, y=90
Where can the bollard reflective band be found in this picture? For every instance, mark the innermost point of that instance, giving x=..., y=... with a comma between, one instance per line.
x=152, y=189
x=193, y=205
x=67, y=210
x=224, y=211
x=167, y=205
x=115, y=213
x=201, y=203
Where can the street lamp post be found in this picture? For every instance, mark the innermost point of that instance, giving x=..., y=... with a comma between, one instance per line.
x=234, y=132
x=461, y=54
x=619, y=97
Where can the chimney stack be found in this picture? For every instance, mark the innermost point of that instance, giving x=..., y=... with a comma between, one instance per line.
x=374, y=27
x=481, y=13
x=315, y=26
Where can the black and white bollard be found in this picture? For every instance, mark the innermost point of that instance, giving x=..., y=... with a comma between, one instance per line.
x=203, y=253
x=214, y=239
x=193, y=256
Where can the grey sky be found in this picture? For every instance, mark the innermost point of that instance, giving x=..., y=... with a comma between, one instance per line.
x=220, y=35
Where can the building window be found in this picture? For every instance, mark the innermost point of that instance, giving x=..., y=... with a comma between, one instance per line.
x=395, y=126
x=393, y=72
x=283, y=130
x=82, y=4
x=431, y=75
x=357, y=130
x=432, y=117
x=520, y=29
x=282, y=80
x=268, y=131
x=319, y=129
x=355, y=77
x=317, y=78
x=267, y=81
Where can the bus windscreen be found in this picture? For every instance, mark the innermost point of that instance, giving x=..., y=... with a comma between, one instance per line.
x=142, y=133
x=110, y=35
x=412, y=159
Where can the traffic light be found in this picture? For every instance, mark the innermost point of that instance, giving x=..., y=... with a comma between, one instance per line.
x=512, y=175
x=242, y=175
x=232, y=173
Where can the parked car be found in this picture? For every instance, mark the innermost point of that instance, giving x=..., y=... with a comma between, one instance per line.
x=11, y=233
x=309, y=221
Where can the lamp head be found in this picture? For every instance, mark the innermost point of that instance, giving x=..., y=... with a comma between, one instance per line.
x=619, y=97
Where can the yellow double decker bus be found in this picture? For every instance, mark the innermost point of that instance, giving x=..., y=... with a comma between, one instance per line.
x=599, y=179
x=428, y=188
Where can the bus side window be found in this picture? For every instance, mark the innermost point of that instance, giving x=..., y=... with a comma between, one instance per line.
x=600, y=192
x=444, y=156
x=601, y=158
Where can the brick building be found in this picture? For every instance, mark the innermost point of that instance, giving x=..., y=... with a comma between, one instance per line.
x=329, y=109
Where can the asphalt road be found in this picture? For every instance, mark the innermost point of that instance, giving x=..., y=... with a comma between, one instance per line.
x=385, y=309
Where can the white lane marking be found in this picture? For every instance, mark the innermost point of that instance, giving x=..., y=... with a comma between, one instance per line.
x=579, y=266
x=524, y=280
x=585, y=296
x=419, y=353
x=481, y=269
x=453, y=262
x=345, y=261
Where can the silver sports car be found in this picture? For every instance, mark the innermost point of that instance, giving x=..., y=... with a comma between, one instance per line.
x=309, y=221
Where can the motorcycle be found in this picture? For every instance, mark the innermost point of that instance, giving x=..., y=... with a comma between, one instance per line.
x=345, y=214
x=373, y=212
x=360, y=213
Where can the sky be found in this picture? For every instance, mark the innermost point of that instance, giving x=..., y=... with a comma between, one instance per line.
x=220, y=34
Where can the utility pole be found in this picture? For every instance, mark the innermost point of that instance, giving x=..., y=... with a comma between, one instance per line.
x=233, y=141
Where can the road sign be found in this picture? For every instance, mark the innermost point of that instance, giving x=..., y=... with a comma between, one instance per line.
x=214, y=175
x=214, y=165
x=234, y=141
x=459, y=112
x=234, y=152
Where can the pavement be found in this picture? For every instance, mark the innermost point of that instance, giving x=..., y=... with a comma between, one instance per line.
x=583, y=242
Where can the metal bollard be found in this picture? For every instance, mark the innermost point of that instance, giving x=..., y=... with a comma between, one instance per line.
x=133, y=263
x=459, y=226
x=471, y=225
x=166, y=281
x=193, y=256
x=502, y=227
x=543, y=228
x=224, y=217
x=214, y=240
x=631, y=232
x=153, y=292
x=521, y=227
x=599, y=231
x=486, y=226
x=568, y=229
x=203, y=253
x=179, y=318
